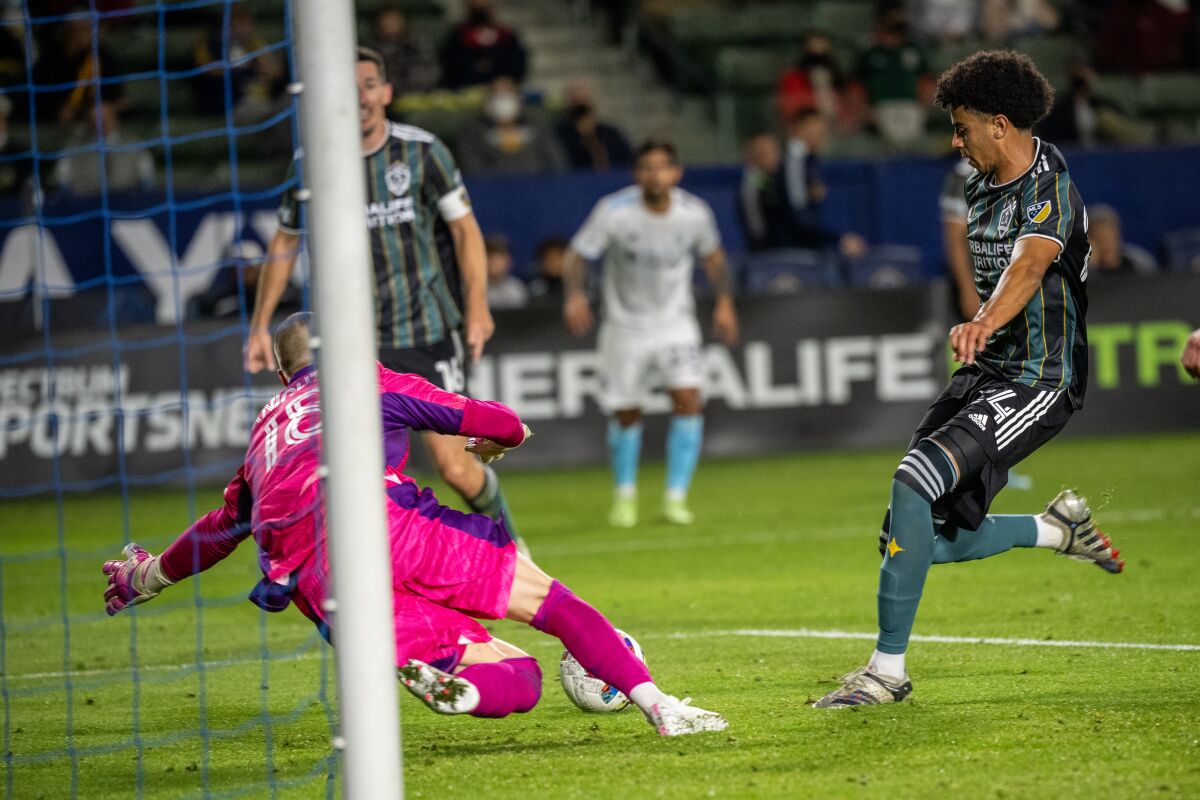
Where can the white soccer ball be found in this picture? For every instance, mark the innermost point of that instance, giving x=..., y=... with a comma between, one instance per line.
x=586, y=690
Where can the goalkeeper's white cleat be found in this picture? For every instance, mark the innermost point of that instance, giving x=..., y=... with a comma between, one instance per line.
x=1082, y=540
x=675, y=717
x=865, y=688
x=442, y=692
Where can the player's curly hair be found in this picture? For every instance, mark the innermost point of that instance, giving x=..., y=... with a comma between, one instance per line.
x=997, y=82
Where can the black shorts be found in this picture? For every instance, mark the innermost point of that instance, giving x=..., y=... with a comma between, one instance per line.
x=443, y=364
x=989, y=424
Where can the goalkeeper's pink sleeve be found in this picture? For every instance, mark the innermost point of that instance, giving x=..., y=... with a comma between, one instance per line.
x=212, y=537
x=411, y=401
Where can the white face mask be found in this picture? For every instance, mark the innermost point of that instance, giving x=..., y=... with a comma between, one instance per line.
x=504, y=107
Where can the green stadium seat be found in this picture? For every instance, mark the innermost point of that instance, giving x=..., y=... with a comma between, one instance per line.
x=1171, y=94
x=751, y=69
x=945, y=56
x=848, y=21
x=776, y=22
x=1053, y=56
x=1124, y=90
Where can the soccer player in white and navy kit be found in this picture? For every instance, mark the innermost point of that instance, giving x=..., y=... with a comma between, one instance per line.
x=651, y=235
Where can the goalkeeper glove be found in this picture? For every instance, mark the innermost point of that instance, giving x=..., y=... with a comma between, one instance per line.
x=489, y=451
x=135, y=580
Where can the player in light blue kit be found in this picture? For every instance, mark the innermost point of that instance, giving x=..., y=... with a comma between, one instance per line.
x=651, y=236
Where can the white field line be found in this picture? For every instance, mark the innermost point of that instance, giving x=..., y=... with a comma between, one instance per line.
x=806, y=633
x=797, y=633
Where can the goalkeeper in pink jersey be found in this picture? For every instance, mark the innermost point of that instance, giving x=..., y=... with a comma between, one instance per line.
x=449, y=569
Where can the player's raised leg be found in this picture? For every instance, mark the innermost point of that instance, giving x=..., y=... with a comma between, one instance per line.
x=545, y=604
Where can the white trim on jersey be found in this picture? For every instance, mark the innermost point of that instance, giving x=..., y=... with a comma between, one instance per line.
x=1061, y=244
x=410, y=133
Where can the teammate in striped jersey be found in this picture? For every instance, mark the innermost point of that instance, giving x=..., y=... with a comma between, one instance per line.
x=1024, y=357
x=423, y=237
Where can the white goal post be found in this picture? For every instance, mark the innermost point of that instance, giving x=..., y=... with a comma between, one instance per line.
x=360, y=562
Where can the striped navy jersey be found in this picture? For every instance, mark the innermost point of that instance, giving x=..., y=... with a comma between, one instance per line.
x=413, y=190
x=1045, y=345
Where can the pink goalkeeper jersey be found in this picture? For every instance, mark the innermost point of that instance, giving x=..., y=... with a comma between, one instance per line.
x=276, y=494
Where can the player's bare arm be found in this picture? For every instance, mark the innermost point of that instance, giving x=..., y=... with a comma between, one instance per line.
x=1031, y=258
x=725, y=321
x=1191, y=355
x=276, y=272
x=577, y=311
x=472, y=262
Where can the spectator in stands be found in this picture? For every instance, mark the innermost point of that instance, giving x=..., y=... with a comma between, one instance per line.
x=1080, y=116
x=1111, y=255
x=504, y=142
x=762, y=203
x=66, y=55
x=1005, y=21
x=944, y=21
x=256, y=86
x=804, y=191
x=224, y=300
x=549, y=259
x=504, y=289
x=814, y=81
x=409, y=61
x=1142, y=36
x=124, y=170
x=480, y=49
x=894, y=74
x=588, y=143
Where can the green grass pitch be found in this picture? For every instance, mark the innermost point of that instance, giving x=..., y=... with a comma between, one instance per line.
x=782, y=544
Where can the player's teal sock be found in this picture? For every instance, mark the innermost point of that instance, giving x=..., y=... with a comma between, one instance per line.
x=624, y=447
x=998, y=533
x=684, y=438
x=902, y=576
x=924, y=475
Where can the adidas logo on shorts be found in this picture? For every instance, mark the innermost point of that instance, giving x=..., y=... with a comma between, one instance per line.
x=980, y=420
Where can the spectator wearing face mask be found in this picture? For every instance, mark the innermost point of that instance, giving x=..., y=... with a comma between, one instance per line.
x=504, y=143
x=813, y=81
x=481, y=49
x=588, y=143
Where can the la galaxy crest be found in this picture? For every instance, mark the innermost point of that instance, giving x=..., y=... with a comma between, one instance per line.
x=398, y=178
x=1006, y=216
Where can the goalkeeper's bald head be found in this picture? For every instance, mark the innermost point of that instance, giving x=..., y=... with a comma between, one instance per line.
x=293, y=347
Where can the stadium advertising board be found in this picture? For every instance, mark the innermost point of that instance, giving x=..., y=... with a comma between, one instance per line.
x=817, y=370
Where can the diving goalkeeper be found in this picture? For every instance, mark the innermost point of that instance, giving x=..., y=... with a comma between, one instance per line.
x=449, y=569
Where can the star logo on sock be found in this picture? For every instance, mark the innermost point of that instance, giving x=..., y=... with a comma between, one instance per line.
x=894, y=548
